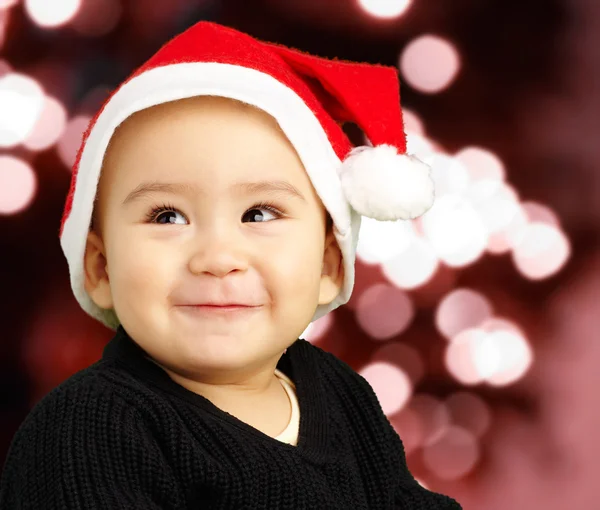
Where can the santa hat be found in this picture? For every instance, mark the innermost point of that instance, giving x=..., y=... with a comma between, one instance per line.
x=310, y=97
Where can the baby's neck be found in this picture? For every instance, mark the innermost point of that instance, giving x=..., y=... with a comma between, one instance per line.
x=270, y=413
x=268, y=410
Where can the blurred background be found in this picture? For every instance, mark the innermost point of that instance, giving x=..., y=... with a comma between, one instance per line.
x=477, y=325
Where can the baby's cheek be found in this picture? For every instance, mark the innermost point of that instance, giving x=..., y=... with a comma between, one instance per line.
x=297, y=274
x=142, y=271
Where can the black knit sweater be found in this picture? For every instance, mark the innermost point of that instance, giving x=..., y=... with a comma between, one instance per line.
x=121, y=434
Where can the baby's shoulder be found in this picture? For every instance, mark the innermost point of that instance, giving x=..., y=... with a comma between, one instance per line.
x=88, y=428
x=101, y=389
x=342, y=380
x=329, y=364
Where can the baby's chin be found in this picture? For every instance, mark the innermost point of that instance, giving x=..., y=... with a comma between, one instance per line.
x=221, y=352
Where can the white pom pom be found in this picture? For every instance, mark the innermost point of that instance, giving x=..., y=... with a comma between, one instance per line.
x=381, y=184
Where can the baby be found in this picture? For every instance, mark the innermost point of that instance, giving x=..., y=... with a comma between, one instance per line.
x=213, y=215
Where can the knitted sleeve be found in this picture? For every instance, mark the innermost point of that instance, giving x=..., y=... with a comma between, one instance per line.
x=409, y=494
x=412, y=495
x=86, y=450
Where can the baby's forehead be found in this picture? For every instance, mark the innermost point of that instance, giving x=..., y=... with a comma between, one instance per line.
x=197, y=111
x=195, y=105
x=185, y=141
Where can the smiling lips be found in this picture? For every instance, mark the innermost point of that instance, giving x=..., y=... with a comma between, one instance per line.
x=219, y=309
x=222, y=307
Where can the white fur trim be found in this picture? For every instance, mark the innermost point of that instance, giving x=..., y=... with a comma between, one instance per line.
x=381, y=184
x=178, y=81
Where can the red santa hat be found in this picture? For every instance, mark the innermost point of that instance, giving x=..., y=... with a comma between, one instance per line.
x=309, y=97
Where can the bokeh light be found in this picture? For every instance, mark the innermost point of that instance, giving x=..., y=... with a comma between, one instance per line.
x=470, y=412
x=448, y=173
x=5, y=4
x=459, y=356
x=461, y=309
x=500, y=324
x=507, y=238
x=379, y=241
x=495, y=203
x=69, y=142
x=4, y=16
x=430, y=64
x=404, y=356
x=540, y=213
x=419, y=145
x=456, y=232
x=495, y=355
x=409, y=427
x=18, y=184
x=412, y=122
x=482, y=163
x=513, y=354
x=433, y=416
x=385, y=8
x=452, y=455
x=391, y=385
x=542, y=251
x=384, y=311
x=49, y=126
x=5, y=68
x=97, y=17
x=413, y=267
x=52, y=14
x=21, y=104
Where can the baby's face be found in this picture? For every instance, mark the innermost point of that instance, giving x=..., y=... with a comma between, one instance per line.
x=207, y=237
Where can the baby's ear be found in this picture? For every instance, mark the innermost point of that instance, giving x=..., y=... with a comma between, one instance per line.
x=96, y=272
x=332, y=274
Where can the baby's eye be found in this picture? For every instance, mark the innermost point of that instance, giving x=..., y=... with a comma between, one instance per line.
x=254, y=212
x=162, y=214
x=167, y=217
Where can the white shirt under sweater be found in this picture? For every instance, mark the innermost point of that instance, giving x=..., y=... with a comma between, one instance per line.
x=290, y=433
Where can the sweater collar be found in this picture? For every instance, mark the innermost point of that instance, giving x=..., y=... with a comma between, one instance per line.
x=299, y=363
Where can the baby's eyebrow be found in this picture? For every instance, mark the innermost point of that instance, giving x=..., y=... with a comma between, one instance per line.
x=190, y=189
